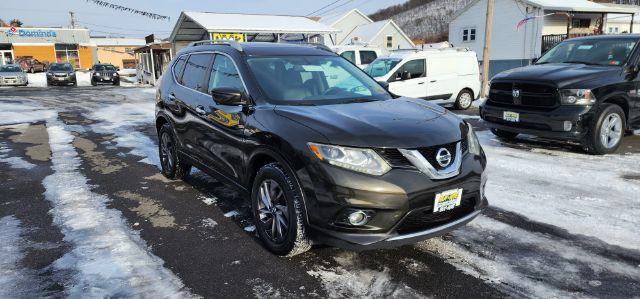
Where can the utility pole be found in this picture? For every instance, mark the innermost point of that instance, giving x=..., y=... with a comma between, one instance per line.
x=486, y=55
x=73, y=19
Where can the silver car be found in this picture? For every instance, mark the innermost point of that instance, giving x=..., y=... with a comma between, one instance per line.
x=12, y=75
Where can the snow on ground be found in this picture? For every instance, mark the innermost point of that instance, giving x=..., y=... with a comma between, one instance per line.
x=14, y=113
x=573, y=191
x=14, y=162
x=108, y=258
x=123, y=120
x=15, y=281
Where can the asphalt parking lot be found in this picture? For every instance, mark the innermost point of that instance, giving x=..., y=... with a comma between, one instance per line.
x=85, y=211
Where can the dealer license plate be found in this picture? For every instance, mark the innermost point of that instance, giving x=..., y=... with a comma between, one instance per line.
x=511, y=116
x=106, y=77
x=447, y=200
x=60, y=79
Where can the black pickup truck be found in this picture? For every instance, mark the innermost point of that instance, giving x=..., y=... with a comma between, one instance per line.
x=584, y=89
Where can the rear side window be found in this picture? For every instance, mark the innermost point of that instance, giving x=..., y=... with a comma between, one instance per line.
x=349, y=55
x=195, y=70
x=367, y=57
x=178, y=67
x=224, y=74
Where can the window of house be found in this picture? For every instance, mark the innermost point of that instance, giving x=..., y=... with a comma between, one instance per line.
x=581, y=23
x=468, y=34
x=389, y=41
x=349, y=55
x=367, y=57
x=224, y=74
x=195, y=69
x=67, y=53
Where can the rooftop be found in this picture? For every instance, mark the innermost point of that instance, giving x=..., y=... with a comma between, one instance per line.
x=582, y=6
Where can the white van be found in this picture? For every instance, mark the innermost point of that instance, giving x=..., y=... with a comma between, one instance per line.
x=450, y=74
x=358, y=54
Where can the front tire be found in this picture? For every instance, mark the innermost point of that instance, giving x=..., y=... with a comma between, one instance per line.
x=464, y=100
x=170, y=161
x=94, y=83
x=506, y=135
x=276, y=203
x=606, y=130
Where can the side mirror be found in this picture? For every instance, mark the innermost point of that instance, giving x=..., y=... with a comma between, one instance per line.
x=534, y=60
x=384, y=84
x=405, y=75
x=118, y=69
x=229, y=96
x=632, y=72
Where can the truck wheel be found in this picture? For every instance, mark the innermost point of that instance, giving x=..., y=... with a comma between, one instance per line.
x=31, y=70
x=170, y=160
x=276, y=203
x=606, y=130
x=464, y=100
x=504, y=134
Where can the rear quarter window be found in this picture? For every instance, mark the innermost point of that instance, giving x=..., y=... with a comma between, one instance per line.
x=178, y=67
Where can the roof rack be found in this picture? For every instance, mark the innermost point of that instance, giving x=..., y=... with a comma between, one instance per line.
x=314, y=45
x=226, y=42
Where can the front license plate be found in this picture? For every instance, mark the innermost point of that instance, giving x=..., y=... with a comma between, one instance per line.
x=511, y=116
x=60, y=79
x=106, y=77
x=447, y=200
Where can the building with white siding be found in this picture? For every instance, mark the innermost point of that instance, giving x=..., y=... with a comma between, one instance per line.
x=552, y=21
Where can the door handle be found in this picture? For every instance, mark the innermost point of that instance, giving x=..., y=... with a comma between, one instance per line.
x=200, y=110
x=433, y=81
x=420, y=83
x=172, y=97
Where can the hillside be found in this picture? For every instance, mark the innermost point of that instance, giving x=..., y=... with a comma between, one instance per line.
x=426, y=20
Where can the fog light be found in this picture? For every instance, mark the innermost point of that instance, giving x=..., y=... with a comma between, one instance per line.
x=358, y=218
x=568, y=125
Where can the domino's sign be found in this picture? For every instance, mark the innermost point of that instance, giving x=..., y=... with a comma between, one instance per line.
x=29, y=32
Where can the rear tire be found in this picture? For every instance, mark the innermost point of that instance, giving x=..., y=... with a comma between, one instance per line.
x=506, y=135
x=283, y=206
x=606, y=130
x=170, y=160
x=464, y=100
x=31, y=70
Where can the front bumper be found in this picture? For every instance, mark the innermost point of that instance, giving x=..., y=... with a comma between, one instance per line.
x=61, y=80
x=103, y=79
x=400, y=202
x=544, y=123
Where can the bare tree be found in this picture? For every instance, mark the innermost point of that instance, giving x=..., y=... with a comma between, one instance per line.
x=16, y=23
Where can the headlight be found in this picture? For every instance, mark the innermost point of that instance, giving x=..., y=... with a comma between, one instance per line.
x=577, y=97
x=49, y=74
x=472, y=139
x=357, y=159
x=72, y=74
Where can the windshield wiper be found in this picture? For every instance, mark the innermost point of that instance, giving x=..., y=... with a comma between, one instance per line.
x=360, y=100
x=581, y=62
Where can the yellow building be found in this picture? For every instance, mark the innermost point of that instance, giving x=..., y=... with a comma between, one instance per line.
x=117, y=51
x=47, y=45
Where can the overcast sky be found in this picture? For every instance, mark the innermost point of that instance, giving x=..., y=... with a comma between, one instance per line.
x=104, y=21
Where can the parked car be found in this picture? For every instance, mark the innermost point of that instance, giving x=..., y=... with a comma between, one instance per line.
x=32, y=65
x=61, y=73
x=584, y=89
x=359, y=55
x=12, y=75
x=326, y=154
x=451, y=75
x=104, y=73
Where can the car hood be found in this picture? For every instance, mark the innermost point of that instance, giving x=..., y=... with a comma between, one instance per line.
x=398, y=123
x=561, y=74
x=12, y=74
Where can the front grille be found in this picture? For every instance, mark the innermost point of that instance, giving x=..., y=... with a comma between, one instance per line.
x=531, y=95
x=394, y=157
x=430, y=153
x=424, y=219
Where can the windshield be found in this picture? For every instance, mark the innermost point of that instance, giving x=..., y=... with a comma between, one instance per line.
x=610, y=51
x=61, y=67
x=381, y=66
x=101, y=68
x=9, y=69
x=310, y=80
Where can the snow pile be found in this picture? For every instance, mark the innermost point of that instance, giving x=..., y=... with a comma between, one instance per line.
x=573, y=191
x=15, y=281
x=40, y=79
x=125, y=121
x=107, y=259
x=11, y=113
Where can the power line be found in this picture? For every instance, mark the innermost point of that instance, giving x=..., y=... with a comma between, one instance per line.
x=121, y=28
x=336, y=7
x=321, y=8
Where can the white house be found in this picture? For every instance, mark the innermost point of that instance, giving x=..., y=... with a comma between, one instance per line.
x=551, y=22
x=356, y=28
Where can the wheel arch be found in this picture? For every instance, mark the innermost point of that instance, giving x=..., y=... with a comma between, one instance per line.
x=622, y=101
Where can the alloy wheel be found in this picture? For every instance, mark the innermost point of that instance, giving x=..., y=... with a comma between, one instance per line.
x=166, y=156
x=611, y=130
x=465, y=100
x=272, y=211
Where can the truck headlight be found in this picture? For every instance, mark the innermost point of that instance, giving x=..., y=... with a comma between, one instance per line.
x=472, y=139
x=582, y=97
x=357, y=159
